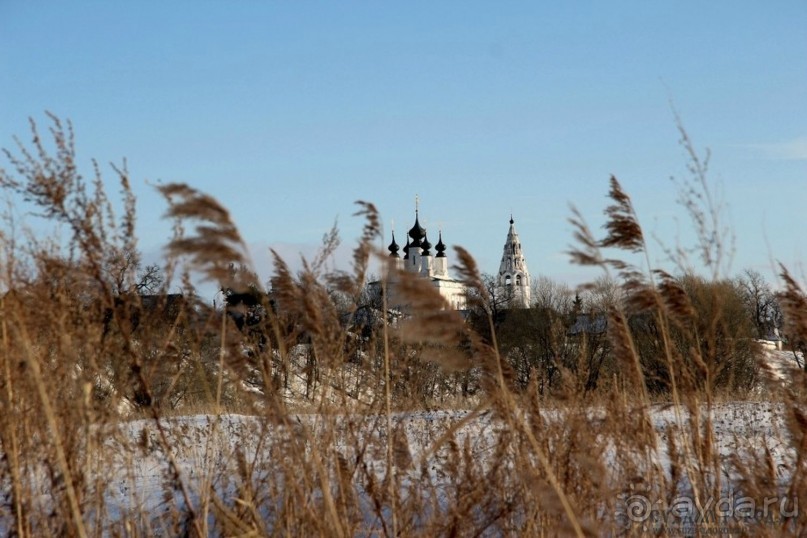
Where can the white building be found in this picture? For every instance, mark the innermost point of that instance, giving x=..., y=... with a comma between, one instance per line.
x=418, y=258
x=514, y=277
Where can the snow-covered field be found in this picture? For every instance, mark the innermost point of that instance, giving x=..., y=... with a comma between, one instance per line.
x=214, y=451
x=149, y=471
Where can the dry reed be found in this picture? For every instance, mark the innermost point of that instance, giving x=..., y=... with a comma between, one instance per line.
x=341, y=426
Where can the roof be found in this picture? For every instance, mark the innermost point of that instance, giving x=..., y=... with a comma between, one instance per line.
x=589, y=324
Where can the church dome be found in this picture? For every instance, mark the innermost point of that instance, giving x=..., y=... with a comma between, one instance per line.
x=393, y=247
x=425, y=245
x=440, y=247
x=417, y=232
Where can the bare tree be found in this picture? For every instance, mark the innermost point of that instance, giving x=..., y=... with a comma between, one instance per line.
x=500, y=297
x=126, y=274
x=149, y=280
x=760, y=301
x=603, y=293
x=548, y=293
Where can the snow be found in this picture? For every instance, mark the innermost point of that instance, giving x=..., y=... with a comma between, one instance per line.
x=781, y=366
x=214, y=451
x=150, y=468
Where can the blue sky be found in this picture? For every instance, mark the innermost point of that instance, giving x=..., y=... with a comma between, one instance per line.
x=288, y=112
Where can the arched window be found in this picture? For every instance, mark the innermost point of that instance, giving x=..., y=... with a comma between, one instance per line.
x=507, y=281
x=518, y=280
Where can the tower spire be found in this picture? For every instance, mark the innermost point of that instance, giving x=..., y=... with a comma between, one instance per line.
x=514, y=277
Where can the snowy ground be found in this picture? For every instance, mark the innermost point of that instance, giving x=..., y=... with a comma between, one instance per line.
x=213, y=451
x=220, y=453
x=782, y=365
x=208, y=446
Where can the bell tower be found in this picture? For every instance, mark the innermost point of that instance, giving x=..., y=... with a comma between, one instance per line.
x=514, y=277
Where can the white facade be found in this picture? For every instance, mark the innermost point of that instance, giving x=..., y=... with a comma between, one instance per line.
x=514, y=277
x=419, y=258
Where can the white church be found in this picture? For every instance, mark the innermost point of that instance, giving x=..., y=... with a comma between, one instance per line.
x=513, y=278
x=418, y=259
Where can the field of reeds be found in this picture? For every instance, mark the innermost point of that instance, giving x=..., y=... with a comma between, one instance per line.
x=309, y=406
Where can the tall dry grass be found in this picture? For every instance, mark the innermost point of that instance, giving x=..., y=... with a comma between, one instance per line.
x=98, y=381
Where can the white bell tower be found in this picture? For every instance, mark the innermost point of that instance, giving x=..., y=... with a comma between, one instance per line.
x=514, y=277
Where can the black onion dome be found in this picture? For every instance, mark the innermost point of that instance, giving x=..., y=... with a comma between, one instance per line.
x=417, y=232
x=511, y=219
x=440, y=247
x=425, y=245
x=406, y=249
x=393, y=247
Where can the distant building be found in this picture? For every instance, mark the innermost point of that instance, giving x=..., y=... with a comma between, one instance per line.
x=773, y=339
x=514, y=277
x=418, y=258
x=588, y=324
